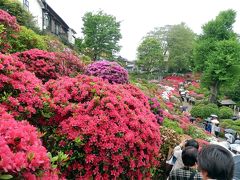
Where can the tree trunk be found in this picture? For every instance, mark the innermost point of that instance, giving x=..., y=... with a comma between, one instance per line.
x=95, y=57
x=213, y=92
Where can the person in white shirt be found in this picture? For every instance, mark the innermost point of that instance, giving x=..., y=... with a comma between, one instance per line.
x=177, y=152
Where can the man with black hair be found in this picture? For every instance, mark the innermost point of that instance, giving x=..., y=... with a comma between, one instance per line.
x=177, y=152
x=215, y=162
x=188, y=172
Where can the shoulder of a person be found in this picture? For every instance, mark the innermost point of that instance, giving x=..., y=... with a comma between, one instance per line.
x=177, y=153
x=177, y=148
x=174, y=172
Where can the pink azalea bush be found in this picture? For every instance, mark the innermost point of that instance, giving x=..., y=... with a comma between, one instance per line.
x=110, y=71
x=69, y=63
x=10, y=28
x=50, y=65
x=107, y=130
x=156, y=109
x=21, y=152
x=21, y=93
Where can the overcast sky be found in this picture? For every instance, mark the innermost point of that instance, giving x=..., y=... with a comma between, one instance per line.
x=140, y=16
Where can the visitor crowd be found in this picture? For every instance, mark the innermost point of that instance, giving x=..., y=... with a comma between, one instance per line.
x=184, y=94
x=211, y=162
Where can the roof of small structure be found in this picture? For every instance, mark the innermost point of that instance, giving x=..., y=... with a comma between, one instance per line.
x=227, y=102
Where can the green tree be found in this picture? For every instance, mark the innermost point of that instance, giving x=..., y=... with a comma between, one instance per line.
x=179, y=41
x=79, y=45
x=232, y=89
x=217, y=52
x=150, y=55
x=101, y=35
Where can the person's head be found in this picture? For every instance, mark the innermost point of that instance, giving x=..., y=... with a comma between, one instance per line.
x=192, y=142
x=189, y=156
x=215, y=162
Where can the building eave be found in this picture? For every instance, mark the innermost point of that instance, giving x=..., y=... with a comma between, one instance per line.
x=51, y=11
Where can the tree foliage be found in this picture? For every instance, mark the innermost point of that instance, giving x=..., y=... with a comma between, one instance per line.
x=231, y=89
x=27, y=39
x=150, y=56
x=179, y=41
x=217, y=52
x=101, y=35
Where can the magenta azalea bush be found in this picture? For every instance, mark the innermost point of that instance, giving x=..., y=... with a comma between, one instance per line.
x=110, y=71
x=107, y=130
x=50, y=65
x=22, y=155
x=9, y=32
x=156, y=109
x=21, y=92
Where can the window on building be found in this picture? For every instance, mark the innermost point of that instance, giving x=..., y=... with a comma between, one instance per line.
x=57, y=29
x=26, y=4
x=46, y=21
x=53, y=29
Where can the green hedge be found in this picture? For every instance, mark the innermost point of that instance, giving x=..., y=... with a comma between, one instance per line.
x=27, y=39
x=204, y=111
x=228, y=123
x=225, y=113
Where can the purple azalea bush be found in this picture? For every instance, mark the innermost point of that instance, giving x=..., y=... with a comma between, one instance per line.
x=156, y=109
x=111, y=71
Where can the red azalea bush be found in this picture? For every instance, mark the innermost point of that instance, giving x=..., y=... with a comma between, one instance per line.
x=202, y=143
x=21, y=93
x=173, y=81
x=50, y=65
x=69, y=63
x=107, y=130
x=10, y=28
x=21, y=152
x=110, y=71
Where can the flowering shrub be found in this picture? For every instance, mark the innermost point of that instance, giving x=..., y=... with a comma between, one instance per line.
x=202, y=143
x=107, y=130
x=168, y=115
x=22, y=154
x=69, y=63
x=173, y=81
x=10, y=28
x=156, y=109
x=111, y=71
x=21, y=93
x=170, y=139
x=54, y=44
x=196, y=132
x=50, y=65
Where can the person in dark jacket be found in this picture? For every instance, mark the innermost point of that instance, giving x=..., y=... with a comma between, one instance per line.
x=215, y=162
